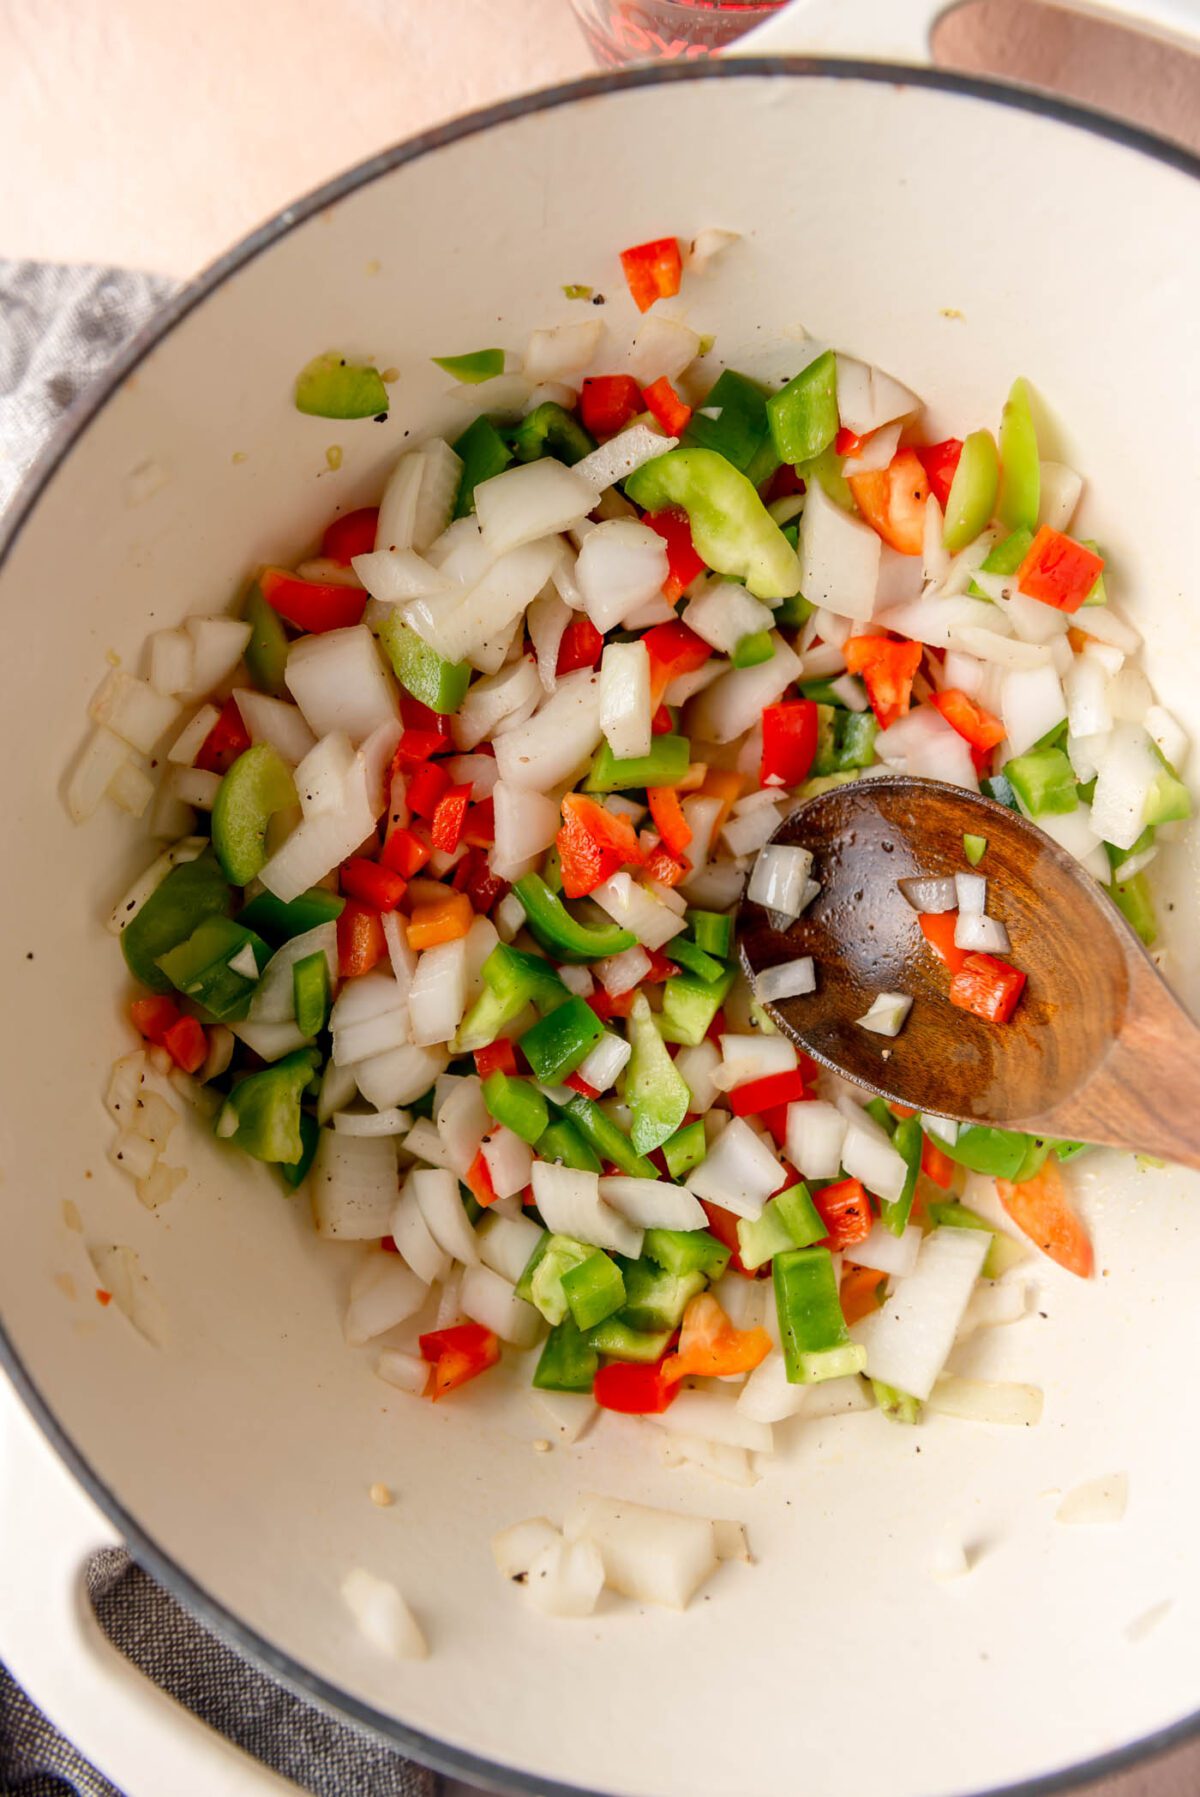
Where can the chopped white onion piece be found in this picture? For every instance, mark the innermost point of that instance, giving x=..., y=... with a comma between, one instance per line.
x=739, y=1171
x=1059, y=495
x=652, y=1203
x=383, y=1292
x=560, y=737
x=652, y=921
x=971, y=893
x=768, y=1395
x=605, y=1062
x=132, y=710
x=923, y=743
x=407, y=1372
x=488, y=1299
x=872, y=1159
x=713, y=1415
x=652, y=1556
x=620, y=456
x=382, y=1615
x=980, y=1401
x=623, y=972
x=944, y=1128
x=696, y=1067
x=534, y=499
x=888, y=1253
x=625, y=709
x=734, y=702
x=753, y=1057
x=930, y=895
x=509, y=1162
x=790, y=979
x=563, y=350
x=506, y=1243
x=661, y=346
x=622, y=565
x=907, y=1342
x=353, y=1186
x=566, y=1578
x=1031, y=705
x=570, y=1204
x=981, y=935
x=723, y=612
x=868, y=398
x=780, y=876
x=1097, y=1501
x=887, y=1014
x=217, y=647
x=816, y=1131
x=442, y=1208
x=706, y=246
x=516, y=1548
x=340, y=683
x=411, y=1234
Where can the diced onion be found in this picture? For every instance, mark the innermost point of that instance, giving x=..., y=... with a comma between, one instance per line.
x=488, y=1299
x=622, y=564
x=353, y=1186
x=780, y=875
x=981, y=935
x=516, y=1548
x=1097, y=1501
x=652, y=1203
x=623, y=972
x=930, y=895
x=621, y=455
x=625, y=709
x=816, y=1131
x=970, y=890
x=888, y=1253
x=562, y=351
x=570, y=1204
x=739, y=1172
x=442, y=1208
x=652, y=1556
x=789, y=979
x=382, y=1615
x=534, y=499
x=907, y=1342
x=407, y=1372
x=980, y=1401
x=874, y=1161
x=714, y=1415
x=383, y=1293
x=652, y=921
x=887, y=1014
x=560, y=737
x=411, y=1234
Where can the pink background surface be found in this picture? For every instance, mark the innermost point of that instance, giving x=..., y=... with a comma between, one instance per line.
x=155, y=135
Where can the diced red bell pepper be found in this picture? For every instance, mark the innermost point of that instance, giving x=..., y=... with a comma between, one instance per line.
x=498, y=1057
x=887, y=665
x=425, y=789
x=711, y=1347
x=667, y=869
x=653, y=271
x=404, y=852
x=581, y=647
x=666, y=405
x=789, y=742
x=848, y=442
x=1041, y=1208
x=376, y=886
x=683, y=562
x=457, y=1354
x=350, y=536
x=417, y=746
x=662, y=723
x=607, y=402
x=673, y=649
x=774, y=1121
x=633, y=1388
x=450, y=814
x=936, y=1164
x=785, y=483
x=581, y=1086
x=311, y=605
x=153, y=1017
x=669, y=821
x=973, y=722
x=940, y=462
x=607, y=1006
x=227, y=739
x=1058, y=570
x=161, y=1021
x=989, y=988
x=417, y=716
x=723, y=1224
x=478, y=1181
x=762, y=1094
x=474, y=876
x=892, y=500
x=660, y=968
x=593, y=844
x=845, y=1211
x=360, y=939
x=938, y=931
x=479, y=830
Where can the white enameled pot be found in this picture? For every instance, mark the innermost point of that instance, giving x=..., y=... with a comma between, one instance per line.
x=957, y=234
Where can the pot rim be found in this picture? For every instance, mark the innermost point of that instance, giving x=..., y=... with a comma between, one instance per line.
x=275, y=1662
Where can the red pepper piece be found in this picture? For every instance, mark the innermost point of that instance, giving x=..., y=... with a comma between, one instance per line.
x=416, y=716
x=376, y=886
x=683, y=562
x=789, y=742
x=935, y=1164
x=607, y=403
x=227, y=739
x=887, y=665
x=633, y=1388
x=673, y=649
x=845, y=1211
x=478, y=1181
x=653, y=271
x=360, y=939
x=763, y=1094
x=498, y=1057
x=989, y=988
x=450, y=814
x=666, y=405
x=1058, y=570
x=479, y=831
x=474, y=876
x=973, y=722
x=940, y=462
x=669, y=821
x=938, y=931
x=425, y=789
x=723, y=1224
x=581, y=646
x=350, y=536
x=457, y=1354
x=662, y=723
x=592, y=844
x=417, y=746
x=311, y=605
x=404, y=852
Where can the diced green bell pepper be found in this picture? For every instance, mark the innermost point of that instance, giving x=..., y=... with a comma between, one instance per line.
x=437, y=683
x=1169, y=798
x=552, y=870
x=845, y=740
x=696, y=960
x=192, y=891
x=731, y=527
x=561, y=934
x=517, y=1104
x=974, y=848
x=594, y=1289
x=331, y=387
x=513, y=979
x=795, y=610
x=804, y=415
x=1098, y=595
x=686, y=1149
x=541, y=1282
x=199, y=967
x=562, y=1142
x=789, y=1220
x=682, y=1251
x=907, y=1140
x=1020, y=470
x=1008, y=554
x=310, y=993
x=483, y=453
x=1043, y=781
x=999, y=1153
x=262, y=1112
x=568, y=1361
x=279, y=922
x=740, y=432
x=690, y=1004
x=549, y=430
x=267, y=650
x=750, y=650
x=822, y=691
x=999, y=787
x=812, y=1329
x=555, y=1045
x=711, y=931
x=972, y=497
x=258, y=785
x=878, y=1112
x=655, y=1093
x=476, y=366
x=1135, y=902
x=665, y=765
x=895, y=1404
x=602, y=1134
x=296, y=1172
x=655, y=1298
x=616, y=1339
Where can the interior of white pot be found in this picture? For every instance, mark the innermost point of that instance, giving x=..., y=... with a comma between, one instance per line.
x=956, y=241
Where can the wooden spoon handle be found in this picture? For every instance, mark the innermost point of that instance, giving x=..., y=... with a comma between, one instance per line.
x=1145, y=1094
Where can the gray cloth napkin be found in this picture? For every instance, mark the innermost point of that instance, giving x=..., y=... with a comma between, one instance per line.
x=58, y=328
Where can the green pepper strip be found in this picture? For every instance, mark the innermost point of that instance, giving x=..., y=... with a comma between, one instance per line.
x=750, y=651
x=816, y=1342
x=788, y=1220
x=265, y=1110
x=804, y=414
x=907, y=1141
x=199, y=967
x=295, y=1172
x=513, y=980
x=711, y=931
x=258, y=785
x=557, y=1043
x=665, y=765
x=690, y=1004
x=568, y=1361
x=683, y=1251
x=331, y=387
x=898, y=1406
x=191, y=892
x=731, y=527
x=594, y=1289
x=437, y=683
x=1135, y=902
x=696, y=960
x=562, y=1142
x=483, y=453
x=279, y=922
x=655, y=1092
x=310, y=992
x=517, y=1104
x=616, y=1339
x=1043, y=781
x=1020, y=469
x=1000, y=1153
x=549, y=430
x=476, y=366
x=267, y=650
x=562, y=935
x=740, y=432
x=656, y=1298
x=603, y=1135
x=686, y=1149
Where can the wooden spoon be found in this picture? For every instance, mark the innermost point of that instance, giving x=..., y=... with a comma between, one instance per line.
x=1098, y=1050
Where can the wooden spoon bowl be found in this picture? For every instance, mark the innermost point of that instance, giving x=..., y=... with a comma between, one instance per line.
x=1062, y=1065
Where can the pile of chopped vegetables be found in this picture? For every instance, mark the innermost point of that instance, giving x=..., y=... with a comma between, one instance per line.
x=457, y=816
